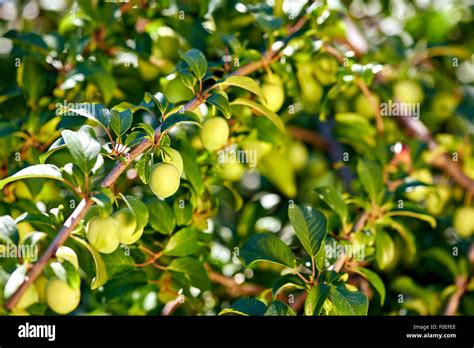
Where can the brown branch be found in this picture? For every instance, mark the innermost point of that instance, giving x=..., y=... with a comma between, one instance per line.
x=455, y=299
x=79, y=213
x=233, y=288
x=309, y=137
x=378, y=117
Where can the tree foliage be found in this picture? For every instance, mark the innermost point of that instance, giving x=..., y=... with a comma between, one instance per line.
x=236, y=158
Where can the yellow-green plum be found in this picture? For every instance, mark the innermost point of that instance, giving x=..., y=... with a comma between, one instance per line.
x=176, y=91
x=232, y=171
x=174, y=157
x=164, y=180
x=408, y=91
x=274, y=92
x=464, y=222
x=40, y=284
x=128, y=225
x=298, y=155
x=29, y=297
x=60, y=297
x=215, y=133
x=103, y=233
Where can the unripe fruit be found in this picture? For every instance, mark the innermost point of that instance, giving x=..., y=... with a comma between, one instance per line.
x=325, y=69
x=232, y=171
x=103, y=234
x=66, y=253
x=214, y=133
x=261, y=148
x=164, y=180
x=40, y=285
x=298, y=155
x=436, y=201
x=364, y=107
x=60, y=297
x=464, y=222
x=29, y=297
x=418, y=193
x=176, y=91
x=274, y=92
x=174, y=158
x=407, y=91
x=128, y=225
x=444, y=104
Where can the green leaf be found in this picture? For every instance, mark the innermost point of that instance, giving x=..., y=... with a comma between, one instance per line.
x=384, y=248
x=347, y=302
x=158, y=99
x=56, y=146
x=243, y=82
x=193, y=270
x=8, y=231
x=287, y=281
x=273, y=117
x=178, y=117
x=83, y=147
x=246, y=306
x=121, y=121
x=161, y=218
x=44, y=171
x=143, y=167
x=32, y=78
x=191, y=170
x=184, y=213
x=221, y=102
x=314, y=302
x=15, y=280
x=404, y=232
x=334, y=200
x=140, y=210
x=95, y=112
x=371, y=176
x=118, y=262
x=182, y=243
x=67, y=273
x=425, y=217
x=310, y=227
x=197, y=62
x=445, y=258
x=100, y=270
x=278, y=308
x=373, y=279
x=267, y=247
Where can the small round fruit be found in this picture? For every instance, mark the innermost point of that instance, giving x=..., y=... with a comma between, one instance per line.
x=444, y=104
x=214, y=133
x=40, y=284
x=233, y=171
x=419, y=193
x=464, y=222
x=127, y=223
x=177, y=92
x=364, y=107
x=103, y=234
x=164, y=180
x=436, y=201
x=298, y=155
x=174, y=157
x=274, y=92
x=325, y=69
x=408, y=91
x=29, y=297
x=60, y=297
x=66, y=253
